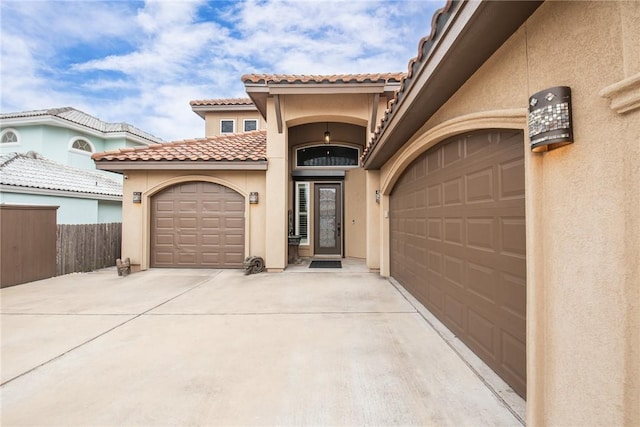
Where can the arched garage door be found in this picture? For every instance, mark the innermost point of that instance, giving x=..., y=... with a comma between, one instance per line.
x=458, y=243
x=197, y=225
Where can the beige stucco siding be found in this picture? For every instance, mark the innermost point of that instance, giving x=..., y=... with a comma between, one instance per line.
x=212, y=120
x=583, y=243
x=355, y=214
x=136, y=217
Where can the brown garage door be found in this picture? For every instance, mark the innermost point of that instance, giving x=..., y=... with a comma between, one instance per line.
x=197, y=224
x=458, y=243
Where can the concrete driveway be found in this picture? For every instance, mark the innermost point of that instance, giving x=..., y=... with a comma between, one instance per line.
x=215, y=347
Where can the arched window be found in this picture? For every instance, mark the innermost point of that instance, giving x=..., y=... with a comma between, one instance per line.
x=327, y=156
x=9, y=137
x=82, y=145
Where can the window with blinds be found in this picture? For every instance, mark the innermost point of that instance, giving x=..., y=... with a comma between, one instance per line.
x=302, y=212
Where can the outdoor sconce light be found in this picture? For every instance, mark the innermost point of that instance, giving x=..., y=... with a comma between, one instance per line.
x=327, y=135
x=550, y=122
x=137, y=197
x=377, y=196
x=253, y=197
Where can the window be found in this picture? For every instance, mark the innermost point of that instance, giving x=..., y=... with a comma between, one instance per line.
x=302, y=212
x=227, y=126
x=9, y=137
x=327, y=155
x=82, y=145
x=250, y=124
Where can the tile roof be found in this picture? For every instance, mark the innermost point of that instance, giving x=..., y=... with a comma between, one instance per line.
x=424, y=47
x=72, y=115
x=34, y=171
x=248, y=146
x=221, y=101
x=333, y=78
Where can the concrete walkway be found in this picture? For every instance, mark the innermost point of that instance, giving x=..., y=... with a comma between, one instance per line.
x=212, y=347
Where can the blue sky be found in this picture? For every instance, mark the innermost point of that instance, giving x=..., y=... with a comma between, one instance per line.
x=141, y=62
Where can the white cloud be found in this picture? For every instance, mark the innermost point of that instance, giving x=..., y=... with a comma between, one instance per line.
x=143, y=64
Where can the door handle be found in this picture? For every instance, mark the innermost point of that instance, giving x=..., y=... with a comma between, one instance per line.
x=338, y=230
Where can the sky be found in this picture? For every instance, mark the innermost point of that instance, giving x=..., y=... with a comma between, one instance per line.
x=141, y=62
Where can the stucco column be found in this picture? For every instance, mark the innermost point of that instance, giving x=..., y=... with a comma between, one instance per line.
x=276, y=194
x=373, y=220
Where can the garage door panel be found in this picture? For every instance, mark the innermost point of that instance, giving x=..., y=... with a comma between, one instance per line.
x=187, y=206
x=434, y=196
x=511, y=179
x=187, y=223
x=212, y=206
x=163, y=257
x=513, y=239
x=481, y=233
x=165, y=206
x=473, y=275
x=453, y=192
x=454, y=270
x=514, y=359
x=480, y=186
x=233, y=223
x=164, y=223
x=482, y=331
x=234, y=206
x=187, y=258
x=482, y=281
x=191, y=226
x=435, y=229
x=453, y=231
x=454, y=311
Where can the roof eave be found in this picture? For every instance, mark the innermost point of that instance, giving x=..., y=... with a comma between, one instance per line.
x=202, y=110
x=259, y=92
x=119, y=166
x=50, y=120
x=38, y=191
x=470, y=36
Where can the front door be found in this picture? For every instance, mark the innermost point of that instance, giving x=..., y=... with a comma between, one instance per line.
x=328, y=219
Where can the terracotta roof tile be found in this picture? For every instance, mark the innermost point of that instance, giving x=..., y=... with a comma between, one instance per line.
x=248, y=146
x=424, y=46
x=221, y=101
x=333, y=78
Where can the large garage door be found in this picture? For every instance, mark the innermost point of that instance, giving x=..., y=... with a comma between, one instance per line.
x=458, y=243
x=197, y=224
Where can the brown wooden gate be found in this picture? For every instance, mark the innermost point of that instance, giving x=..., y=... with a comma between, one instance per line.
x=458, y=243
x=197, y=225
x=28, y=243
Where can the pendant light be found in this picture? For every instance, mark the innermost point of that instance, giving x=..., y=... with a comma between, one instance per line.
x=327, y=135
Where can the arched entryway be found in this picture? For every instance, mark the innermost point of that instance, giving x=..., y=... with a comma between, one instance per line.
x=457, y=243
x=197, y=224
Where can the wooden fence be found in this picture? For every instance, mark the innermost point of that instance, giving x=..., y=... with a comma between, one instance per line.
x=86, y=247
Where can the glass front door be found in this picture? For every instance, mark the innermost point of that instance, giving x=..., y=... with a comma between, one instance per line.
x=328, y=219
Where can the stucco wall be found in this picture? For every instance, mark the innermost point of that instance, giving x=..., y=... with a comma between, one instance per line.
x=71, y=211
x=212, y=121
x=583, y=243
x=136, y=216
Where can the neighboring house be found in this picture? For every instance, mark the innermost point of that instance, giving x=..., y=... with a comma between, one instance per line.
x=84, y=197
x=439, y=179
x=64, y=136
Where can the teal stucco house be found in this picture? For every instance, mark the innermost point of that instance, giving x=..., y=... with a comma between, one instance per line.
x=45, y=159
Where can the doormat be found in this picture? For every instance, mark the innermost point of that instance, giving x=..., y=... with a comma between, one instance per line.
x=325, y=264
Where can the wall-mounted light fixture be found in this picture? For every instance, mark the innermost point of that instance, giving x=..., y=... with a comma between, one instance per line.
x=137, y=197
x=327, y=135
x=253, y=198
x=377, y=196
x=550, y=121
